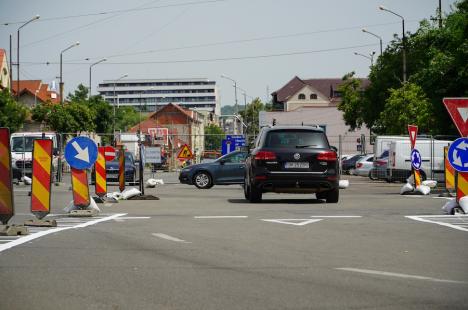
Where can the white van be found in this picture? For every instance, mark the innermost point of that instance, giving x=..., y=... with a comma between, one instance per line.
x=21, y=144
x=432, y=154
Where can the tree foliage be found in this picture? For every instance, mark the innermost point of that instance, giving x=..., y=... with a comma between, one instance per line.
x=351, y=103
x=12, y=113
x=407, y=105
x=436, y=62
x=213, y=137
x=250, y=116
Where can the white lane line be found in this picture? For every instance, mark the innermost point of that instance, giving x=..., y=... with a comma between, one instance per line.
x=399, y=275
x=123, y=219
x=170, y=238
x=444, y=216
x=421, y=219
x=295, y=222
x=337, y=216
x=221, y=217
x=28, y=238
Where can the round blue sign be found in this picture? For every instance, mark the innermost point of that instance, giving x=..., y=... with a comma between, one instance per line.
x=81, y=153
x=458, y=154
x=416, y=160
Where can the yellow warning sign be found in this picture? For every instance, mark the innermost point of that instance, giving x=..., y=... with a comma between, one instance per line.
x=185, y=152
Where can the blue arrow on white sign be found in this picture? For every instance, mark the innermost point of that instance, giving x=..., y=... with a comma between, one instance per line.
x=81, y=153
x=458, y=154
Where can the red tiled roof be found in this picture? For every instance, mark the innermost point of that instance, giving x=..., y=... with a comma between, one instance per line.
x=323, y=86
x=30, y=87
x=2, y=54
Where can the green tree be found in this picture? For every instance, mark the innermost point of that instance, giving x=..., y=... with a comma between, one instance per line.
x=125, y=118
x=250, y=116
x=352, y=101
x=436, y=61
x=213, y=137
x=12, y=113
x=407, y=105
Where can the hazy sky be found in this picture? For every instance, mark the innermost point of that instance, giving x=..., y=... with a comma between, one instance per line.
x=170, y=38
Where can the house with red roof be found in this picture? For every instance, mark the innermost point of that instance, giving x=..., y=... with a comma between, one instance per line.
x=4, y=70
x=173, y=126
x=34, y=92
x=315, y=102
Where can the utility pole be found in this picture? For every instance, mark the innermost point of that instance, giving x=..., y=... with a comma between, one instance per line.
x=440, y=13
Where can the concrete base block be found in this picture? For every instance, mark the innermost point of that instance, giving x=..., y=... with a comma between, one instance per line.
x=98, y=199
x=41, y=223
x=82, y=213
x=13, y=230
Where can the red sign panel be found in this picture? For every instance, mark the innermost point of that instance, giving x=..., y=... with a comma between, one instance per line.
x=413, y=133
x=109, y=153
x=458, y=110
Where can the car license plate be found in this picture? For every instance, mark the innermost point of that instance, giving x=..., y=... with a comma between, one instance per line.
x=112, y=175
x=296, y=165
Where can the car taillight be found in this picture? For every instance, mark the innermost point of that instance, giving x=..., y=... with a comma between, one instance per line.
x=265, y=155
x=380, y=163
x=359, y=165
x=327, y=156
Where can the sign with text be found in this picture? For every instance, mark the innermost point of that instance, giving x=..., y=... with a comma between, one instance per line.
x=160, y=135
x=153, y=155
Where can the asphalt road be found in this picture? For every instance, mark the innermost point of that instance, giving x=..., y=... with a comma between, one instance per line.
x=210, y=249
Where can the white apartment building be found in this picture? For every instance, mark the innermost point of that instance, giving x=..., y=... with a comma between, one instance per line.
x=198, y=94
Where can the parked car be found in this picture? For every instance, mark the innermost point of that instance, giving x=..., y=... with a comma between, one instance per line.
x=350, y=163
x=225, y=170
x=292, y=159
x=112, y=169
x=364, y=166
x=379, y=168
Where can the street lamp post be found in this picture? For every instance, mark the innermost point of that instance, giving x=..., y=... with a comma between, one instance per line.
x=236, y=111
x=403, y=39
x=90, y=67
x=373, y=34
x=61, y=76
x=114, y=102
x=18, y=53
x=370, y=57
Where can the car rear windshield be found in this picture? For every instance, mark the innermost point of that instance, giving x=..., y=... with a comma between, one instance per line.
x=295, y=138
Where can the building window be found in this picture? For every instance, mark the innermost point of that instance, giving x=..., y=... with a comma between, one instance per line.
x=302, y=97
x=313, y=96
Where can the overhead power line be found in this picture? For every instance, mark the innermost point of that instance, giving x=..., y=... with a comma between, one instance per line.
x=115, y=11
x=265, y=38
x=214, y=59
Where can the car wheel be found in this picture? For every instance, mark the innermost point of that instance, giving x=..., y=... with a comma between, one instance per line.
x=372, y=176
x=333, y=196
x=246, y=189
x=203, y=180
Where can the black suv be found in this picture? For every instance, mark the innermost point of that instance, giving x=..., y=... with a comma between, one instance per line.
x=292, y=159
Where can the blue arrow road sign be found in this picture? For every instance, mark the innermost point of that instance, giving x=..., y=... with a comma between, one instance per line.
x=458, y=154
x=227, y=146
x=81, y=153
x=416, y=159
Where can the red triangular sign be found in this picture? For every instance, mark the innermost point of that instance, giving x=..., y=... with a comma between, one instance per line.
x=458, y=110
x=413, y=133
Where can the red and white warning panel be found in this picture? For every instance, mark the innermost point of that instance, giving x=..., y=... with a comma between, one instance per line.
x=41, y=177
x=80, y=188
x=100, y=172
x=6, y=185
x=458, y=110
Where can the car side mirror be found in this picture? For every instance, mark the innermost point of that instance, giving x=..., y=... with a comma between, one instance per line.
x=334, y=148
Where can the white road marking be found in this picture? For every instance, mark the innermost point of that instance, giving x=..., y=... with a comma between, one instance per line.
x=296, y=222
x=170, y=238
x=123, y=219
x=221, y=217
x=337, y=216
x=399, y=275
x=39, y=234
x=424, y=219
